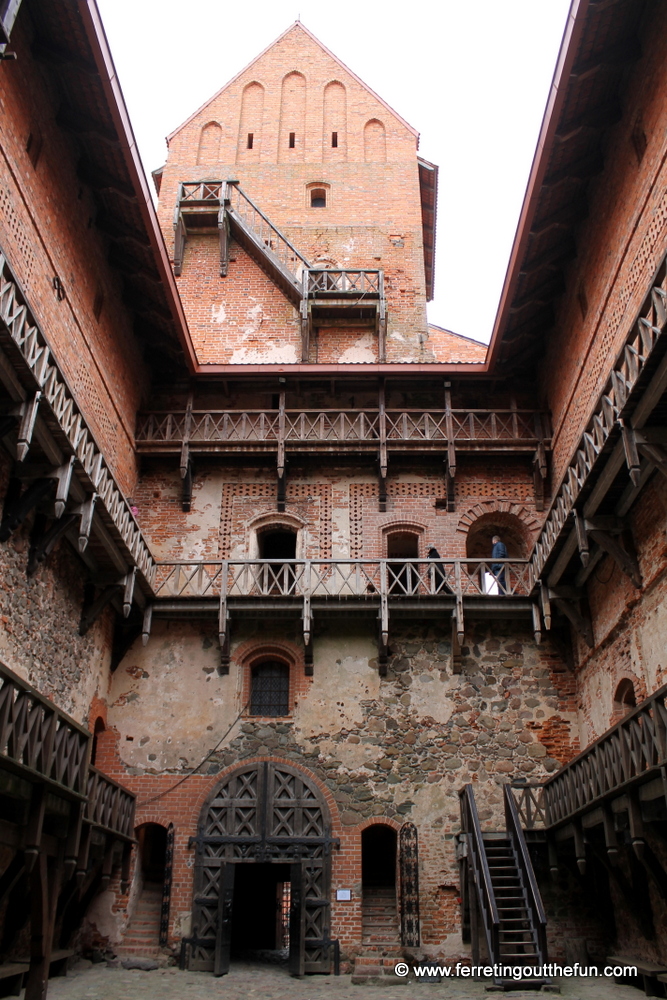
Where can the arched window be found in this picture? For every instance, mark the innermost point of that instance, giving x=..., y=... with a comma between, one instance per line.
x=318, y=198
x=269, y=688
x=624, y=699
x=98, y=728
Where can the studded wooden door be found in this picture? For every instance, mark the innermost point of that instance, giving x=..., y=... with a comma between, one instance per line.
x=265, y=812
x=408, y=863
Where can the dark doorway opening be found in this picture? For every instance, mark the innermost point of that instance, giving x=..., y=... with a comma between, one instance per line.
x=278, y=544
x=403, y=579
x=99, y=728
x=152, y=851
x=378, y=856
x=277, y=577
x=260, y=913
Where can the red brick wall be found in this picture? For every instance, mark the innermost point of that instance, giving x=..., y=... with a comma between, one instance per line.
x=618, y=248
x=373, y=214
x=47, y=230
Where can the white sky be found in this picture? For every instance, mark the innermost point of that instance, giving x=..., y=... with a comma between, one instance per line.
x=471, y=75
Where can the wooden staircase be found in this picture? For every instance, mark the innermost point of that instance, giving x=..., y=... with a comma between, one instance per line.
x=502, y=904
x=517, y=937
x=142, y=937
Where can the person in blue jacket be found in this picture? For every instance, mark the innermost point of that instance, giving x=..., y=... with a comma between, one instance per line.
x=499, y=551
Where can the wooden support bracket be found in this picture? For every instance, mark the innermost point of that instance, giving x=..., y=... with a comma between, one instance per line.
x=630, y=450
x=18, y=504
x=128, y=591
x=383, y=460
x=579, y=846
x=383, y=651
x=147, y=623
x=545, y=604
x=610, y=838
x=537, y=623
x=456, y=646
x=90, y=616
x=28, y=418
x=63, y=478
x=626, y=561
x=33, y=835
x=180, y=239
x=569, y=606
x=107, y=863
x=654, y=452
x=86, y=510
x=540, y=472
x=43, y=542
x=582, y=538
x=223, y=230
x=307, y=614
x=73, y=839
x=382, y=323
x=186, y=489
x=553, y=857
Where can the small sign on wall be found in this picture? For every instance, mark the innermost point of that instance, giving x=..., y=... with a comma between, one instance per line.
x=343, y=894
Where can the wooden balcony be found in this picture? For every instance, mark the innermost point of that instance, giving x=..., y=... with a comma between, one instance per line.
x=38, y=742
x=341, y=431
x=608, y=801
x=628, y=756
x=110, y=806
x=377, y=589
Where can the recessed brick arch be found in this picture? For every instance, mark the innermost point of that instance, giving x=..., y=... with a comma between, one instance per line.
x=516, y=525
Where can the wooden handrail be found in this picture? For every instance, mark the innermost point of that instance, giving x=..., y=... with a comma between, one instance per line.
x=628, y=752
x=520, y=848
x=38, y=741
x=477, y=856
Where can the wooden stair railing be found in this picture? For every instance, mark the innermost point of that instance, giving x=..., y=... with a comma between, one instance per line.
x=500, y=891
x=524, y=864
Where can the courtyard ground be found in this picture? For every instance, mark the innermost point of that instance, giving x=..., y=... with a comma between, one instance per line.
x=246, y=982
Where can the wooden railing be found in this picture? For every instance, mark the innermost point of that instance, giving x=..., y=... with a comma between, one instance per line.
x=340, y=578
x=630, y=752
x=346, y=427
x=38, y=741
x=470, y=826
x=524, y=864
x=110, y=806
x=334, y=283
x=269, y=235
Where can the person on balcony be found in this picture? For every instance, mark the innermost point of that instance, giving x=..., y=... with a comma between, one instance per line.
x=438, y=576
x=498, y=551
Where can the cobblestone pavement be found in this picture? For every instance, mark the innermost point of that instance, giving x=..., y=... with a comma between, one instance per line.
x=245, y=982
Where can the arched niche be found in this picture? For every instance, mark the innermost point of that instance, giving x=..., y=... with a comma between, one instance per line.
x=511, y=529
x=209, y=144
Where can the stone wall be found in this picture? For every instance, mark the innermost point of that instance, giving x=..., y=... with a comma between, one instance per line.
x=391, y=749
x=39, y=623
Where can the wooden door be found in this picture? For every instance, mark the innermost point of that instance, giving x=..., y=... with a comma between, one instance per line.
x=223, y=937
x=408, y=862
x=264, y=812
x=297, y=921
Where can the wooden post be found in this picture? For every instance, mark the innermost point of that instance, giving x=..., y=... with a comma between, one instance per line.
x=223, y=230
x=382, y=427
x=382, y=321
x=305, y=316
x=281, y=450
x=26, y=427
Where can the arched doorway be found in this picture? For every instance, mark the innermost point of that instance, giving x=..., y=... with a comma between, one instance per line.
x=625, y=699
x=379, y=913
x=266, y=827
x=403, y=577
x=277, y=543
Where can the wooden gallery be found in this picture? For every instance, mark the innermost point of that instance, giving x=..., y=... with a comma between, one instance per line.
x=323, y=630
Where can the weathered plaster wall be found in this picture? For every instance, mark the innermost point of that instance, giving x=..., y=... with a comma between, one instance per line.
x=398, y=748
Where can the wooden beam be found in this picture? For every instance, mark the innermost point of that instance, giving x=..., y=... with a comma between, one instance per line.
x=626, y=561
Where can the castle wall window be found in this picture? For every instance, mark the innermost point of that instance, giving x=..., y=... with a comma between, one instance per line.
x=250, y=140
x=269, y=688
x=334, y=140
x=292, y=140
x=318, y=198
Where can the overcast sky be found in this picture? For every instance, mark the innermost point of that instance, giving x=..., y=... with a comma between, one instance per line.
x=471, y=75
